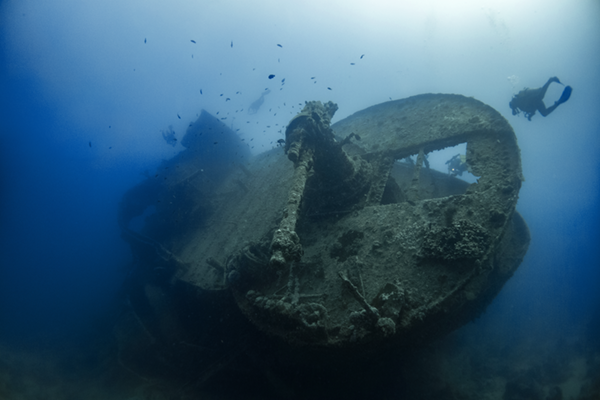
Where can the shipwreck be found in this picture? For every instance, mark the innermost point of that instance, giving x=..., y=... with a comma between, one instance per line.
x=329, y=248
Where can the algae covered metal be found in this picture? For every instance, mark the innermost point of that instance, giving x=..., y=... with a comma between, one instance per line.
x=332, y=246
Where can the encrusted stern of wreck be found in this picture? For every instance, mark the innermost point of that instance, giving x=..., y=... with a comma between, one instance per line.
x=334, y=246
x=334, y=262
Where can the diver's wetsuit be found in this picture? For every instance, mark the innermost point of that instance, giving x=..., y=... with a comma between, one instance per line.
x=531, y=100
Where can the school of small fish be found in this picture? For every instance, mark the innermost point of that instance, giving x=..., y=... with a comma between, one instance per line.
x=279, y=142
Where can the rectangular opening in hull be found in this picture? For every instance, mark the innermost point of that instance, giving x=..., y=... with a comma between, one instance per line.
x=452, y=161
x=443, y=173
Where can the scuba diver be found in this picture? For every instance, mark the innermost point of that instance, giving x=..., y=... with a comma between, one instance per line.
x=169, y=136
x=531, y=100
x=457, y=165
x=253, y=109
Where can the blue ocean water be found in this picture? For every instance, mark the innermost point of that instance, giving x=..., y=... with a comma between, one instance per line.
x=83, y=101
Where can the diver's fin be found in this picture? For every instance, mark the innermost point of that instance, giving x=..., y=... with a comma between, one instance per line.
x=566, y=94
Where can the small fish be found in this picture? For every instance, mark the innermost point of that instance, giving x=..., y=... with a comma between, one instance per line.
x=90, y=143
x=227, y=99
x=221, y=94
x=279, y=45
x=110, y=126
x=283, y=80
x=313, y=77
x=232, y=43
x=329, y=88
x=271, y=76
x=362, y=56
x=224, y=118
x=144, y=40
x=281, y=142
x=200, y=91
x=178, y=116
x=352, y=64
x=193, y=41
x=215, y=142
